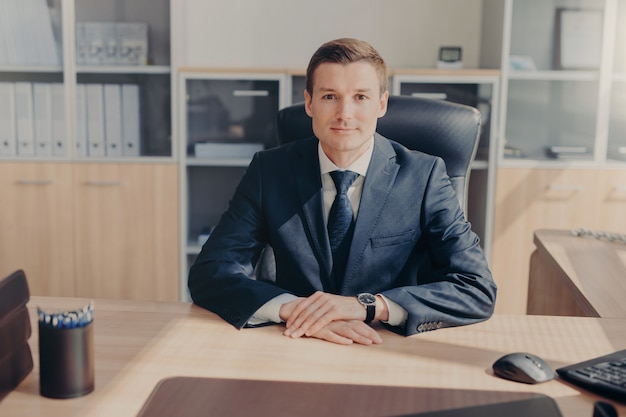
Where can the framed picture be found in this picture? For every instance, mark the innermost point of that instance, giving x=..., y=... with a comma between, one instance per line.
x=578, y=39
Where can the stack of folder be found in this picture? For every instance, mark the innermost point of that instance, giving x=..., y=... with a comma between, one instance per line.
x=32, y=119
x=16, y=360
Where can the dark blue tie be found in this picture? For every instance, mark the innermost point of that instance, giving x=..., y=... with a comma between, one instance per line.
x=340, y=221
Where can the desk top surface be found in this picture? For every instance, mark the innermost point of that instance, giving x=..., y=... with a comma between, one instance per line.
x=595, y=268
x=137, y=344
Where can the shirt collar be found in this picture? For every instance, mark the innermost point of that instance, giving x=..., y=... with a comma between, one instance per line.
x=359, y=166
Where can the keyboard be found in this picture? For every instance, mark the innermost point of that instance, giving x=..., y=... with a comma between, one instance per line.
x=604, y=375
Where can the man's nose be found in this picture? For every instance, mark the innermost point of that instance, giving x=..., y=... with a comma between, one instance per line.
x=345, y=109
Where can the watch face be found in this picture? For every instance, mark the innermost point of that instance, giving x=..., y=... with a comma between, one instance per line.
x=367, y=299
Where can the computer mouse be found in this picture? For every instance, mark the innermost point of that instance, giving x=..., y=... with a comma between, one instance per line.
x=604, y=409
x=523, y=367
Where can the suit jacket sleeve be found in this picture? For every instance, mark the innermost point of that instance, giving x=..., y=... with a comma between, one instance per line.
x=453, y=283
x=220, y=279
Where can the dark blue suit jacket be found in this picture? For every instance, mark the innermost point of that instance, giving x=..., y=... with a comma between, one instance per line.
x=411, y=240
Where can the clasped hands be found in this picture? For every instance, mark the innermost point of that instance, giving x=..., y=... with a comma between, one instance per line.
x=335, y=318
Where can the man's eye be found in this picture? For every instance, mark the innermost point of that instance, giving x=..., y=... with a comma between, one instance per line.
x=329, y=97
x=361, y=97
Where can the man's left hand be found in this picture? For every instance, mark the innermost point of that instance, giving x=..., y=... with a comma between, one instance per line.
x=307, y=316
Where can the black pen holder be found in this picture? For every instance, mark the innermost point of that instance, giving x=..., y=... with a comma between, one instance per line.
x=66, y=361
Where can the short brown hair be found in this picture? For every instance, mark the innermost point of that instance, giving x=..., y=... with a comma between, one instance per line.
x=346, y=51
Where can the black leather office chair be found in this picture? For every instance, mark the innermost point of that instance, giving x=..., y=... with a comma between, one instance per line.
x=441, y=128
x=436, y=127
x=16, y=360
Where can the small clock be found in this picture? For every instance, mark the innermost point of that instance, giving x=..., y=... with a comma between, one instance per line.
x=450, y=57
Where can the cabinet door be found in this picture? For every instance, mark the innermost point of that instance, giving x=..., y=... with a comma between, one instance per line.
x=531, y=199
x=36, y=223
x=126, y=238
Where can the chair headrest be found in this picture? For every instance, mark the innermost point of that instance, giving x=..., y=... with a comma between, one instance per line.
x=436, y=127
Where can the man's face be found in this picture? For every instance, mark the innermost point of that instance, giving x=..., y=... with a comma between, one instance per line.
x=345, y=106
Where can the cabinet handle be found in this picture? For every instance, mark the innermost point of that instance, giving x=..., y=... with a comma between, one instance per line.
x=559, y=187
x=433, y=96
x=35, y=182
x=97, y=183
x=251, y=93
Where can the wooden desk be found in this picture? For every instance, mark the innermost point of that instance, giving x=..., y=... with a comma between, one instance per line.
x=139, y=343
x=576, y=276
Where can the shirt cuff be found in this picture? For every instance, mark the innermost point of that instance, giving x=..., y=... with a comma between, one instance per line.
x=397, y=314
x=269, y=312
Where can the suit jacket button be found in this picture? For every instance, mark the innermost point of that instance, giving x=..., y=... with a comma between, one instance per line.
x=233, y=315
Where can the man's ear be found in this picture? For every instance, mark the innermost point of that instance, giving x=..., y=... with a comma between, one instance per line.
x=307, y=103
x=384, y=98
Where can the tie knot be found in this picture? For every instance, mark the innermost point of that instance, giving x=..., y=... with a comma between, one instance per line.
x=343, y=180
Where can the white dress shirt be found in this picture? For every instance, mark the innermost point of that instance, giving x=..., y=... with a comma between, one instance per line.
x=269, y=312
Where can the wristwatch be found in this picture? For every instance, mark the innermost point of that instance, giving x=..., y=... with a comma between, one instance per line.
x=368, y=301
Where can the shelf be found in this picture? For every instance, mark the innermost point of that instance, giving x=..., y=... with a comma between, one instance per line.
x=193, y=248
x=210, y=162
x=554, y=75
x=36, y=69
x=458, y=73
x=480, y=165
x=124, y=69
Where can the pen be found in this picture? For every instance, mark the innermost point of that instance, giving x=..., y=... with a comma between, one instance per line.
x=67, y=319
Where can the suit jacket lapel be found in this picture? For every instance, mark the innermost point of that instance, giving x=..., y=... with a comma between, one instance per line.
x=307, y=171
x=379, y=180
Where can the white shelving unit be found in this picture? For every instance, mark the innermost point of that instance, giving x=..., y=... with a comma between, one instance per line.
x=562, y=128
x=154, y=80
x=546, y=104
x=220, y=108
x=91, y=225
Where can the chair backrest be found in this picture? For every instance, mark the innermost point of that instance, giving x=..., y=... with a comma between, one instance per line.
x=441, y=128
x=436, y=127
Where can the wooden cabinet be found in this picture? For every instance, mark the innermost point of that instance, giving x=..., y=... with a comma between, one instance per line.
x=126, y=231
x=36, y=225
x=527, y=199
x=92, y=230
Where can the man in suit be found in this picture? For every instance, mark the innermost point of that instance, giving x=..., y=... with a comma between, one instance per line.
x=408, y=257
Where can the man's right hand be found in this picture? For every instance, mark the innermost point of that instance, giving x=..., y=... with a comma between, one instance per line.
x=333, y=327
x=347, y=332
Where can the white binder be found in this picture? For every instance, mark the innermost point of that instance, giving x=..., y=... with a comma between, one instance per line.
x=7, y=119
x=113, y=119
x=42, y=109
x=24, y=119
x=81, y=120
x=58, y=139
x=131, y=120
x=95, y=120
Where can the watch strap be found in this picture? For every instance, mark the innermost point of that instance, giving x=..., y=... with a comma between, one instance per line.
x=369, y=313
